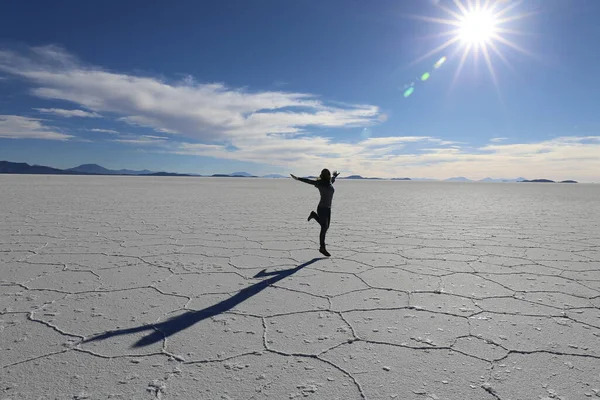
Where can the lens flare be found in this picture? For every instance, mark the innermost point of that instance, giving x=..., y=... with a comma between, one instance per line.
x=439, y=62
x=477, y=27
x=410, y=88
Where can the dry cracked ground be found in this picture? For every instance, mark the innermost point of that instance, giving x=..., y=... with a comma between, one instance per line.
x=197, y=288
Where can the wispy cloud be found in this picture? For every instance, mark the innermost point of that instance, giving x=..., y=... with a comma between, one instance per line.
x=275, y=127
x=18, y=127
x=111, y=131
x=143, y=140
x=68, y=113
x=561, y=158
x=205, y=112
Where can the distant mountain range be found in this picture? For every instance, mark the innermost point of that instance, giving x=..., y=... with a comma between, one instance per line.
x=7, y=167
x=99, y=170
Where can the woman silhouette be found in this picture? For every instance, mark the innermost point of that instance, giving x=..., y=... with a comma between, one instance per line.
x=323, y=215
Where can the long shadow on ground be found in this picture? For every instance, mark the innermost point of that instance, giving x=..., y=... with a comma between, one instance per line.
x=177, y=324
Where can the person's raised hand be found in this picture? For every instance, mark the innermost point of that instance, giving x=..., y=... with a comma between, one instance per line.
x=335, y=173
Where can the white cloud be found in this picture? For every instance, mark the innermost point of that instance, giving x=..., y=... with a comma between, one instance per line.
x=561, y=158
x=143, y=140
x=17, y=127
x=113, y=132
x=274, y=127
x=206, y=112
x=68, y=113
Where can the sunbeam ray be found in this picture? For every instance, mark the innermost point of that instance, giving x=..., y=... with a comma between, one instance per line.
x=478, y=26
x=441, y=47
x=466, y=52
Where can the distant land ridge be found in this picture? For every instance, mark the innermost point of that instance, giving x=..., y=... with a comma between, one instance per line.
x=8, y=167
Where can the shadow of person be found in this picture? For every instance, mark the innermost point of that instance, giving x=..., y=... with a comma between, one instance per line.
x=177, y=324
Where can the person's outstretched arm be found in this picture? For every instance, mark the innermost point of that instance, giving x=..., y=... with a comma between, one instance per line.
x=335, y=174
x=305, y=180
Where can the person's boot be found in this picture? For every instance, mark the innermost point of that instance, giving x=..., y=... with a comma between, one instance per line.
x=323, y=251
x=312, y=215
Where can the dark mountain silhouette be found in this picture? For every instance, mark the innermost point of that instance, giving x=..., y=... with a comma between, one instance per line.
x=91, y=169
x=235, y=175
x=7, y=167
x=538, y=181
x=100, y=170
x=133, y=172
x=166, y=174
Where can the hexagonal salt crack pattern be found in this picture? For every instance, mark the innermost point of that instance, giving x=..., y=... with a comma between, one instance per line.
x=530, y=282
x=415, y=328
x=94, y=313
x=23, y=272
x=322, y=283
x=391, y=372
x=189, y=288
x=309, y=333
x=545, y=376
x=15, y=298
x=470, y=285
x=186, y=263
x=67, y=281
x=261, y=262
x=88, y=262
x=132, y=276
x=267, y=376
x=369, y=299
x=274, y=301
x=558, y=300
x=197, y=336
x=379, y=259
x=527, y=333
x=480, y=348
x=22, y=339
x=393, y=278
x=444, y=303
x=509, y=305
x=77, y=375
x=198, y=284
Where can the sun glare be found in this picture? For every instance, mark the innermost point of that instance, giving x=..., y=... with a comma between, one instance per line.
x=477, y=27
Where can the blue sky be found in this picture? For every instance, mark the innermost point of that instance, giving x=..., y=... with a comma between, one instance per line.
x=271, y=86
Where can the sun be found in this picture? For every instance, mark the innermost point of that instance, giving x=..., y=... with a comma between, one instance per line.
x=477, y=27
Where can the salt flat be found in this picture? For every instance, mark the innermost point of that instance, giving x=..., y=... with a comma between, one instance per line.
x=200, y=288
